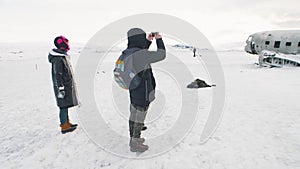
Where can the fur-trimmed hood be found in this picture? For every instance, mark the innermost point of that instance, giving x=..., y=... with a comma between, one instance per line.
x=56, y=53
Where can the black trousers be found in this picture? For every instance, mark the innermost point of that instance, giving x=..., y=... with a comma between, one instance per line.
x=136, y=120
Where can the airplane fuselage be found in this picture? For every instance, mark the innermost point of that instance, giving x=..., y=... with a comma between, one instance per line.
x=281, y=41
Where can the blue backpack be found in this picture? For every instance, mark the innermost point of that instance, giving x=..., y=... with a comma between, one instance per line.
x=125, y=73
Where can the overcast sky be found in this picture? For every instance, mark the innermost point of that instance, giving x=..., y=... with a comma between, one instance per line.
x=220, y=21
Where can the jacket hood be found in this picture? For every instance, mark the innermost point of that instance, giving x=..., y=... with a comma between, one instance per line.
x=137, y=39
x=56, y=53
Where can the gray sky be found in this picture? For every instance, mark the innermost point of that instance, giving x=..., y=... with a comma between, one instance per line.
x=220, y=21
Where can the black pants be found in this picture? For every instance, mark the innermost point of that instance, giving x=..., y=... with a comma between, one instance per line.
x=136, y=120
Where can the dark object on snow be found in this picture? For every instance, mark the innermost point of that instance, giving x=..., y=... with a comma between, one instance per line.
x=198, y=84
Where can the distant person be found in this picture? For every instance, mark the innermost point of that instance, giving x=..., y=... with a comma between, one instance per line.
x=63, y=82
x=143, y=93
x=194, y=51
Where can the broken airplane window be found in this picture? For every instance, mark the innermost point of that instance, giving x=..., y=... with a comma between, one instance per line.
x=298, y=44
x=277, y=44
x=267, y=42
x=288, y=43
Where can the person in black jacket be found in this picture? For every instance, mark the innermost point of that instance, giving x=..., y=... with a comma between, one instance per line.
x=194, y=51
x=63, y=82
x=144, y=93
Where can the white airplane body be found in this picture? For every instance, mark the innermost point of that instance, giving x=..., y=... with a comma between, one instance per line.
x=275, y=48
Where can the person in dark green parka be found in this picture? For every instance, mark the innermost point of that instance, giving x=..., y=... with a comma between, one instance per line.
x=63, y=82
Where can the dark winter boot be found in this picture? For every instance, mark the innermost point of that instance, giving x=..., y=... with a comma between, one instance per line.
x=141, y=140
x=136, y=145
x=72, y=125
x=65, y=128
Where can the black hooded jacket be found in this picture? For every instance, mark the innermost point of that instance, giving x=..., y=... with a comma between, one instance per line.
x=143, y=95
x=62, y=77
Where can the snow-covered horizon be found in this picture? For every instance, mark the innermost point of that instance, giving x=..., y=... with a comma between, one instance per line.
x=75, y=46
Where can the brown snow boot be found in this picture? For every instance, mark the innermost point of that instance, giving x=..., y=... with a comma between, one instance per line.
x=72, y=125
x=136, y=145
x=65, y=128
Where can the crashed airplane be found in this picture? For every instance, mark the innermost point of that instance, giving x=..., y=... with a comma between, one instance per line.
x=275, y=48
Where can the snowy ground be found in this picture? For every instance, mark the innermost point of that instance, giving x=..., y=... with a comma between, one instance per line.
x=260, y=126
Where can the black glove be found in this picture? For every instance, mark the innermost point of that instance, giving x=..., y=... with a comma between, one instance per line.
x=61, y=92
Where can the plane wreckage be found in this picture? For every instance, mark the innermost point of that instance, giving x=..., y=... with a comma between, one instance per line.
x=275, y=48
